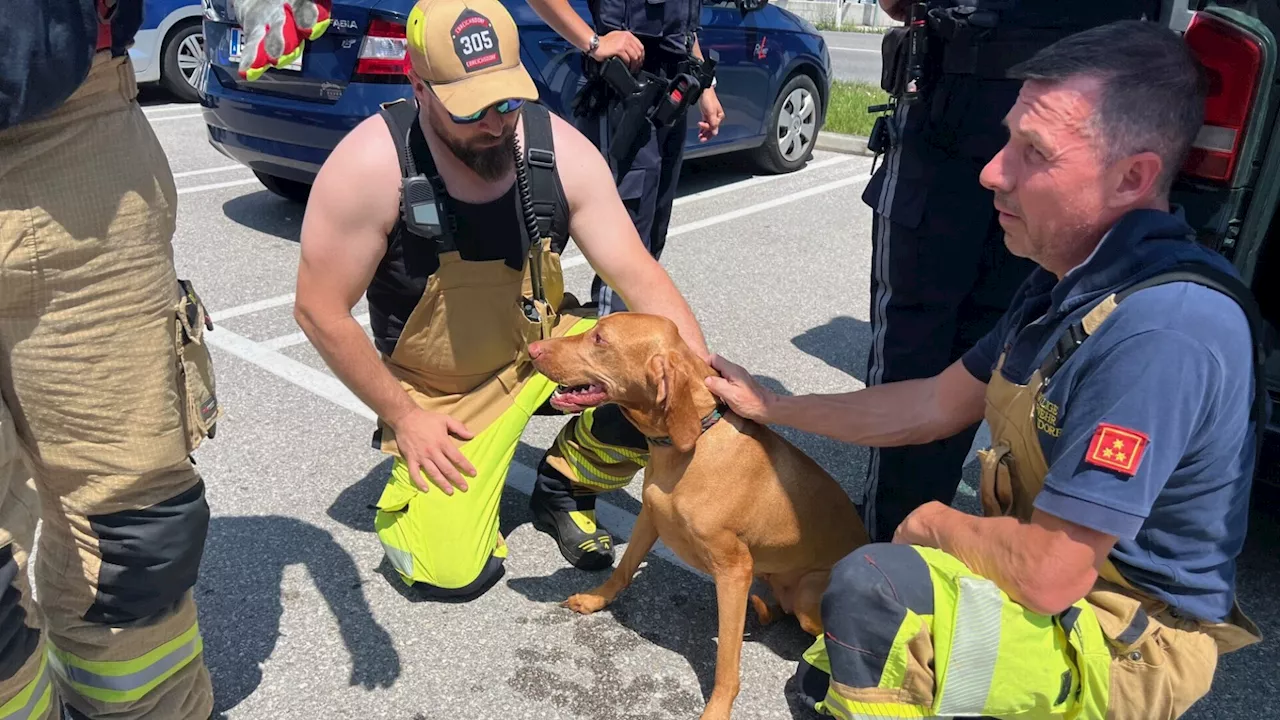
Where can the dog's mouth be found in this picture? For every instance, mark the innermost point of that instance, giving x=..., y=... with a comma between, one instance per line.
x=578, y=397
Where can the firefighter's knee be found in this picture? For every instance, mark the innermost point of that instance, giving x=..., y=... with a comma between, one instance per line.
x=150, y=558
x=492, y=571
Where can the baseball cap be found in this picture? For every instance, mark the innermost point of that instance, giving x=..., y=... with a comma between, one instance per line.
x=469, y=52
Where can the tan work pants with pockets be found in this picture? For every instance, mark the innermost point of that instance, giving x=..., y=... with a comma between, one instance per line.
x=97, y=381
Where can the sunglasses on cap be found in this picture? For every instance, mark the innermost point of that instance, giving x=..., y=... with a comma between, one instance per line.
x=506, y=107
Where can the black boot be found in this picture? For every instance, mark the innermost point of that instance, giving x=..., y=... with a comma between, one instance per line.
x=570, y=519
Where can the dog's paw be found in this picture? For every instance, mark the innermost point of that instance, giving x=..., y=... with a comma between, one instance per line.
x=585, y=603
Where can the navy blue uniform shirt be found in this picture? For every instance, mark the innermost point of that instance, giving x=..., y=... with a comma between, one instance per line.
x=46, y=48
x=1170, y=374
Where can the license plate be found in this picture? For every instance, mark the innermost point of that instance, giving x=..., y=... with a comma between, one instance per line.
x=236, y=51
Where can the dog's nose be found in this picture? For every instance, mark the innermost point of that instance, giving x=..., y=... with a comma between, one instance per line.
x=535, y=349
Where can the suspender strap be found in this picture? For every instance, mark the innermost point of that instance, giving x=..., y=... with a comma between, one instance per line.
x=544, y=185
x=401, y=117
x=1200, y=274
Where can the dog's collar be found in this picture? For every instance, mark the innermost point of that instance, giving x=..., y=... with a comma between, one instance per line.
x=707, y=422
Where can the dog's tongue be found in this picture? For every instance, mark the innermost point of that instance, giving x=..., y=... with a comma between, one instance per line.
x=577, y=397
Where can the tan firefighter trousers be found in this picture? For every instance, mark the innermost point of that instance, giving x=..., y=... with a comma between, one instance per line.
x=107, y=391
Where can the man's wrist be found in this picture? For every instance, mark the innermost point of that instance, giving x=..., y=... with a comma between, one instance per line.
x=591, y=44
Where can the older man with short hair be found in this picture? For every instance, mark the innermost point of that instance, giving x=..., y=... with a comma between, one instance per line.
x=1124, y=411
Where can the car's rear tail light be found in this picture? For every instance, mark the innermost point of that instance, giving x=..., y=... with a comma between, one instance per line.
x=384, y=54
x=1233, y=61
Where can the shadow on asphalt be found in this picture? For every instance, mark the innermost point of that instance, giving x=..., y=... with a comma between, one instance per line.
x=841, y=343
x=241, y=602
x=266, y=213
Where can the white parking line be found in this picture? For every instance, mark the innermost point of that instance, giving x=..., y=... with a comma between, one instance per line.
x=216, y=186
x=760, y=180
x=251, y=308
x=209, y=171
x=162, y=118
x=298, y=338
x=577, y=259
x=158, y=109
x=327, y=387
x=845, y=49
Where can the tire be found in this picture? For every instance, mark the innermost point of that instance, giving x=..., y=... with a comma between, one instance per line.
x=183, y=56
x=789, y=145
x=290, y=190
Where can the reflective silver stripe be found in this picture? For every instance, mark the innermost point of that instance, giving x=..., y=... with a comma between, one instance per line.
x=29, y=711
x=132, y=681
x=860, y=716
x=975, y=645
x=880, y=304
x=400, y=559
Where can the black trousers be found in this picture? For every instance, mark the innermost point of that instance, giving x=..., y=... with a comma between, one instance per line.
x=941, y=276
x=647, y=187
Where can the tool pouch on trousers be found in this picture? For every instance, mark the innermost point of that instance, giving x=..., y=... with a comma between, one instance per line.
x=894, y=52
x=196, y=387
x=1160, y=665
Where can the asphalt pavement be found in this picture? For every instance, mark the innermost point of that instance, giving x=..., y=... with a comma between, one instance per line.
x=854, y=56
x=302, y=616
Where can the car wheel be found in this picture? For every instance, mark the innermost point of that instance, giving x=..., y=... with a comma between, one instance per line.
x=290, y=190
x=183, y=61
x=792, y=127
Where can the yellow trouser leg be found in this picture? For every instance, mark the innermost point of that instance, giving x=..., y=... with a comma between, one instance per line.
x=911, y=632
x=451, y=542
x=593, y=464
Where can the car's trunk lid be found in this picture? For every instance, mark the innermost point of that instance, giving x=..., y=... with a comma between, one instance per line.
x=362, y=44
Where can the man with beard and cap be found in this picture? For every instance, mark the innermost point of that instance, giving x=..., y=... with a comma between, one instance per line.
x=450, y=212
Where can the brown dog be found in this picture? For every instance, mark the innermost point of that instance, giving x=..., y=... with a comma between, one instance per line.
x=736, y=501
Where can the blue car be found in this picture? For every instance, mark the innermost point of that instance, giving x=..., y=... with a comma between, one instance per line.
x=773, y=80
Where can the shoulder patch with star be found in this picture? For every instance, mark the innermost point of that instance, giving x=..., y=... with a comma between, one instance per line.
x=1117, y=448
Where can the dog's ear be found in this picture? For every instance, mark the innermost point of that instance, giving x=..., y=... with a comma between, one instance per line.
x=675, y=399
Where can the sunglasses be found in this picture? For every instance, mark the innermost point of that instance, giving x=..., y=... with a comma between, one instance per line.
x=506, y=107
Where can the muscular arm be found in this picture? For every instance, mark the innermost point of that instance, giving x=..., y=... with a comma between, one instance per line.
x=602, y=229
x=353, y=205
x=910, y=412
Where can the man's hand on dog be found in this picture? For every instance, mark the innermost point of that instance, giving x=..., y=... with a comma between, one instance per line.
x=424, y=442
x=737, y=388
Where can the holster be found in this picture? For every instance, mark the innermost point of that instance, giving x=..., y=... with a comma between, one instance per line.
x=894, y=51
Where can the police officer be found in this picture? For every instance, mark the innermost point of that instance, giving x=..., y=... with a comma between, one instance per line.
x=659, y=38
x=941, y=275
x=1127, y=400
x=107, y=387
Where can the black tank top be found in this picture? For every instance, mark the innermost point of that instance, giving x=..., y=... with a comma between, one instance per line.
x=487, y=231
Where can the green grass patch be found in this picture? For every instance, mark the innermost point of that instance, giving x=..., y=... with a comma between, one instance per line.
x=847, y=113
x=867, y=29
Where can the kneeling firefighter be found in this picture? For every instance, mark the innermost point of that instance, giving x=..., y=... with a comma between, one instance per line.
x=644, y=69
x=450, y=213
